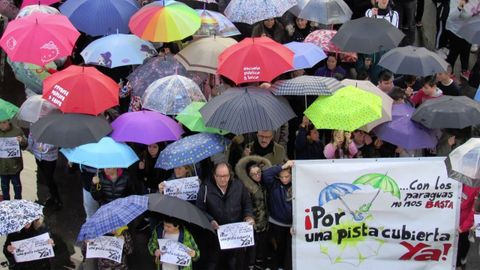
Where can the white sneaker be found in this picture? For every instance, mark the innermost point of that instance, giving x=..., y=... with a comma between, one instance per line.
x=474, y=48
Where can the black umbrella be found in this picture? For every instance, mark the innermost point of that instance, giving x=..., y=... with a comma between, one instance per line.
x=470, y=30
x=177, y=208
x=244, y=110
x=448, y=112
x=367, y=35
x=70, y=130
x=411, y=60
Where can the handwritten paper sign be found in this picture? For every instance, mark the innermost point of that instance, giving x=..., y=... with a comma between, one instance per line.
x=477, y=224
x=174, y=252
x=9, y=147
x=235, y=235
x=183, y=188
x=106, y=247
x=32, y=249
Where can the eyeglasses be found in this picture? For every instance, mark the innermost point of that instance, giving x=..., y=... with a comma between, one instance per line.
x=256, y=173
x=222, y=176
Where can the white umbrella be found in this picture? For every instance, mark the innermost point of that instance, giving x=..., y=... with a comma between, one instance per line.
x=32, y=109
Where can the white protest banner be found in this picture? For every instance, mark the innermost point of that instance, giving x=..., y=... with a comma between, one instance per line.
x=174, y=252
x=9, y=147
x=106, y=247
x=235, y=235
x=477, y=224
x=366, y=214
x=183, y=188
x=32, y=249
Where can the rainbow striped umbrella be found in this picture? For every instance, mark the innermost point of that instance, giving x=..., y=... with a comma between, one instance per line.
x=165, y=21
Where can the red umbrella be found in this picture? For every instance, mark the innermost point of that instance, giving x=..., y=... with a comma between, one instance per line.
x=81, y=90
x=38, y=2
x=39, y=38
x=255, y=60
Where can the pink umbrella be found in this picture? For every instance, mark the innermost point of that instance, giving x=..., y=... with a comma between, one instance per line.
x=38, y=2
x=323, y=39
x=39, y=38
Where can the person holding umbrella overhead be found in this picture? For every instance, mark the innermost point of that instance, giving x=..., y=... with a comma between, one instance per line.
x=111, y=184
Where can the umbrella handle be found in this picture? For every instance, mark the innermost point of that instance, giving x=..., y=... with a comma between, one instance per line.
x=98, y=186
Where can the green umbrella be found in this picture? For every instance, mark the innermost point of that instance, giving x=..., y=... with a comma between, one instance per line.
x=192, y=119
x=380, y=182
x=347, y=109
x=7, y=110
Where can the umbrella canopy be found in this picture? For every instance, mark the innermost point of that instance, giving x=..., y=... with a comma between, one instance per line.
x=473, y=182
x=191, y=150
x=165, y=21
x=323, y=39
x=243, y=110
x=145, y=127
x=106, y=153
x=39, y=38
x=323, y=11
x=192, y=119
x=70, y=130
x=33, y=108
x=118, y=50
x=348, y=109
x=7, y=110
x=470, y=30
x=403, y=132
x=31, y=75
x=335, y=191
x=202, y=55
x=100, y=17
x=255, y=60
x=306, y=55
x=306, y=85
x=411, y=60
x=170, y=95
x=252, y=11
x=465, y=159
x=35, y=8
x=448, y=112
x=178, y=208
x=215, y=24
x=79, y=89
x=15, y=214
x=387, y=102
x=367, y=35
x=26, y=3
x=113, y=215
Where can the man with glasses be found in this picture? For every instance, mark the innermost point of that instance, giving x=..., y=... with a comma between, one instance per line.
x=265, y=147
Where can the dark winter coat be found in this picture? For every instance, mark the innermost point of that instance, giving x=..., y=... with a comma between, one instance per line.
x=108, y=190
x=307, y=149
x=279, y=195
x=14, y=165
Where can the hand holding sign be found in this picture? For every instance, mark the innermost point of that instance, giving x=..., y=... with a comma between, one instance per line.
x=235, y=235
x=174, y=252
x=32, y=249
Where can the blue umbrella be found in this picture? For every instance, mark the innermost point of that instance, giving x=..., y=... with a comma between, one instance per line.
x=190, y=150
x=100, y=17
x=15, y=214
x=118, y=50
x=306, y=54
x=105, y=154
x=336, y=191
x=477, y=95
x=113, y=215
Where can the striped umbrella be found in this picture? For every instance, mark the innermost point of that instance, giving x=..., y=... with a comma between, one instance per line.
x=306, y=85
x=244, y=110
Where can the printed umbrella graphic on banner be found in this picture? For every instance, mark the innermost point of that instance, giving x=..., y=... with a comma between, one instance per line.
x=337, y=191
x=381, y=182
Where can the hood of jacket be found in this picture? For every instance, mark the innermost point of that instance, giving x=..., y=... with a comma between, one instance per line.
x=240, y=171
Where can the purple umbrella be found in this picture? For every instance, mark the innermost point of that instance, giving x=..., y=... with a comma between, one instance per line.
x=145, y=127
x=403, y=132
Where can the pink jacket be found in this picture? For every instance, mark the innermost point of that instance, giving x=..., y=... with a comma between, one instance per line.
x=467, y=207
x=329, y=151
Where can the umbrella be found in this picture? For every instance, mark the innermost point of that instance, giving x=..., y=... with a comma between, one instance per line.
x=252, y=11
x=403, y=132
x=244, y=110
x=215, y=24
x=473, y=182
x=100, y=17
x=33, y=108
x=170, y=95
x=15, y=214
x=8, y=9
x=323, y=11
x=31, y=75
x=387, y=102
x=367, y=35
x=165, y=21
x=411, y=60
x=255, y=60
x=379, y=181
x=323, y=39
x=448, y=112
x=39, y=38
x=192, y=119
x=336, y=191
x=465, y=159
x=306, y=85
x=191, y=150
x=7, y=110
x=470, y=30
x=118, y=50
x=306, y=55
x=70, y=130
x=113, y=215
x=26, y=3
x=178, y=208
x=79, y=89
x=35, y=8
x=348, y=109
x=145, y=127
x=202, y=55
x=106, y=153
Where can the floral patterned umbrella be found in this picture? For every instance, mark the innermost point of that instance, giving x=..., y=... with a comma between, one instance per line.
x=15, y=214
x=252, y=11
x=32, y=75
x=323, y=39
